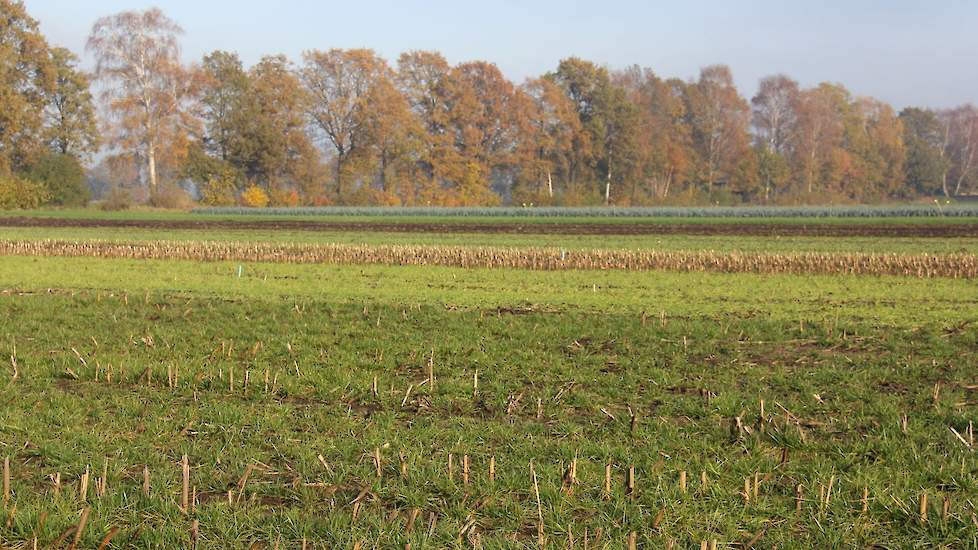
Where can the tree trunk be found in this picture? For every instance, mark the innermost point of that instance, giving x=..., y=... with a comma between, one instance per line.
x=965, y=167
x=151, y=167
x=944, y=170
x=339, y=177
x=550, y=184
x=607, y=187
x=813, y=156
x=811, y=172
x=710, y=176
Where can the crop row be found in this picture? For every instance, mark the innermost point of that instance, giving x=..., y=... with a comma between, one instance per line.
x=913, y=265
x=861, y=211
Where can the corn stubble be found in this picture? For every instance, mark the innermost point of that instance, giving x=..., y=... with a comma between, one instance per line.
x=956, y=266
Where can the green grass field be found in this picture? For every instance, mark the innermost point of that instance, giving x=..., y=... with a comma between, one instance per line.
x=282, y=384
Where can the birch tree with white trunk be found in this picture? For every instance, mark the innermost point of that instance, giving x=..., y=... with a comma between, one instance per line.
x=145, y=90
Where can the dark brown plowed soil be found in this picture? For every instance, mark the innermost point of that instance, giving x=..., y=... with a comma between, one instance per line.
x=548, y=228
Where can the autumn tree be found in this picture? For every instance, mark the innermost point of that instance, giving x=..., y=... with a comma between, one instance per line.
x=224, y=88
x=925, y=139
x=340, y=85
x=874, y=143
x=269, y=141
x=147, y=93
x=27, y=79
x=394, y=138
x=718, y=118
x=224, y=98
x=556, y=143
x=845, y=147
x=663, y=153
x=425, y=80
x=620, y=135
x=774, y=119
x=774, y=112
x=47, y=122
x=71, y=127
x=961, y=124
x=605, y=113
x=487, y=125
x=475, y=128
x=585, y=85
x=254, y=132
x=773, y=171
x=277, y=148
x=819, y=134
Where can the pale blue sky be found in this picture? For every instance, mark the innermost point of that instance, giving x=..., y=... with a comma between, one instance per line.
x=906, y=52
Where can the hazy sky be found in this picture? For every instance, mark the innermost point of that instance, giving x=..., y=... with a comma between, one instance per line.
x=907, y=52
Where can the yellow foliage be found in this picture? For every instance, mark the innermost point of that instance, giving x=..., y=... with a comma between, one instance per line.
x=20, y=193
x=219, y=189
x=254, y=197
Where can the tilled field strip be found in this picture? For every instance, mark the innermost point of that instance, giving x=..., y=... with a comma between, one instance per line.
x=950, y=230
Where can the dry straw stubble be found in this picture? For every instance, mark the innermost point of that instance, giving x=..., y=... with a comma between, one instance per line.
x=958, y=266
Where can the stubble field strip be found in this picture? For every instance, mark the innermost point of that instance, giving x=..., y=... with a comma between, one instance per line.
x=954, y=265
x=719, y=243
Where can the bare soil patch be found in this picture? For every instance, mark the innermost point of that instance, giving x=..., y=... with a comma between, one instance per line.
x=555, y=228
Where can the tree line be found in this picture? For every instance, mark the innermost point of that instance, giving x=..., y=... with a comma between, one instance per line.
x=345, y=126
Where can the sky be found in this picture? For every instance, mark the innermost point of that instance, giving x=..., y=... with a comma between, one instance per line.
x=905, y=52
